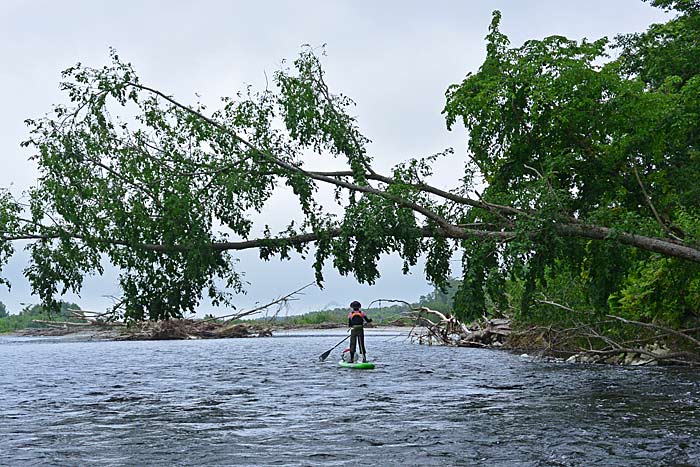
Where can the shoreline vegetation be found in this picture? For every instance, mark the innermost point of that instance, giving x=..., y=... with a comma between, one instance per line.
x=655, y=345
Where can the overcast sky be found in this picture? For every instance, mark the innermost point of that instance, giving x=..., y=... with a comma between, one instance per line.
x=394, y=58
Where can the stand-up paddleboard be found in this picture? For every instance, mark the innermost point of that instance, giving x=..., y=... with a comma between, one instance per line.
x=356, y=366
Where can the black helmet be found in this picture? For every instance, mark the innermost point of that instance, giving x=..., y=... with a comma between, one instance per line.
x=355, y=305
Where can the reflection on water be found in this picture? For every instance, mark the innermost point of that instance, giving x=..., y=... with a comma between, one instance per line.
x=269, y=401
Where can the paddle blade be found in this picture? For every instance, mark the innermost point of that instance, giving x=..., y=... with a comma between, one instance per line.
x=325, y=355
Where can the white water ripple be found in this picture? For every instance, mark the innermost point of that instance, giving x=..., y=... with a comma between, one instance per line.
x=268, y=401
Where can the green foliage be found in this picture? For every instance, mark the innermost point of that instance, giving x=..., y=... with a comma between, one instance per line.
x=662, y=291
x=680, y=5
x=156, y=188
x=590, y=162
x=441, y=299
x=9, y=222
x=562, y=132
x=24, y=319
x=3, y=310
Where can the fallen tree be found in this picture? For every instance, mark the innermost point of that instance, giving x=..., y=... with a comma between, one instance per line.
x=433, y=327
x=573, y=165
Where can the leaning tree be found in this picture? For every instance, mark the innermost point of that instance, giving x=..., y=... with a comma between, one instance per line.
x=588, y=164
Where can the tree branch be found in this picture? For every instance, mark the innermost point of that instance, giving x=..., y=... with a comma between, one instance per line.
x=657, y=327
x=662, y=224
x=235, y=316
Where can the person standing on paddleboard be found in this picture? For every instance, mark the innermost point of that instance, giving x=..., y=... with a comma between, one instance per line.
x=356, y=321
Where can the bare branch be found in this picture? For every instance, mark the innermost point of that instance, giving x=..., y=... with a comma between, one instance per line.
x=657, y=327
x=284, y=299
x=662, y=224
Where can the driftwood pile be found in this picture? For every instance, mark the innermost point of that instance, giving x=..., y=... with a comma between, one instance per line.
x=660, y=346
x=435, y=327
x=210, y=328
x=192, y=329
x=646, y=343
x=153, y=330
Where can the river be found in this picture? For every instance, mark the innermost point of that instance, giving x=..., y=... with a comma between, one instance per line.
x=269, y=401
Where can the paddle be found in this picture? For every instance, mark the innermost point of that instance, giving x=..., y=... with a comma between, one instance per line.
x=325, y=354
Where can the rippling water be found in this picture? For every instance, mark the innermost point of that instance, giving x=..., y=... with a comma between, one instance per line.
x=269, y=401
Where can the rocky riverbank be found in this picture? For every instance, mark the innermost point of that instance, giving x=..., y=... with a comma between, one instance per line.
x=646, y=344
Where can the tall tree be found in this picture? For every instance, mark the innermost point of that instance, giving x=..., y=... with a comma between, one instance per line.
x=585, y=142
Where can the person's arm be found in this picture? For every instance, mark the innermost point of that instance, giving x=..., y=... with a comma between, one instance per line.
x=367, y=318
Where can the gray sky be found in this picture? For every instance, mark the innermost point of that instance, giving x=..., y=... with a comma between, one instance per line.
x=394, y=58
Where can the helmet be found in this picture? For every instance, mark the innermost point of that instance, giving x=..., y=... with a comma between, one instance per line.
x=355, y=305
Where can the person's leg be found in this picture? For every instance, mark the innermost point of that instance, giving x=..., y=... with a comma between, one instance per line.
x=363, y=351
x=353, y=344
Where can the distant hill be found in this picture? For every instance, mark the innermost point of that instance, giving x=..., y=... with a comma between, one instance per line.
x=392, y=314
x=384, y=315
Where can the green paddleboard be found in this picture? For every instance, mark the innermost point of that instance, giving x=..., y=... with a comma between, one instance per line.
x=356, y=366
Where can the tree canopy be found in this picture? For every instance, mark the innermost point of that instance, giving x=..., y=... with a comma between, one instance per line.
x=589, y=163
x=585, y=142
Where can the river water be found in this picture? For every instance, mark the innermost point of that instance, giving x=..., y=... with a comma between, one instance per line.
x=269, y=401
